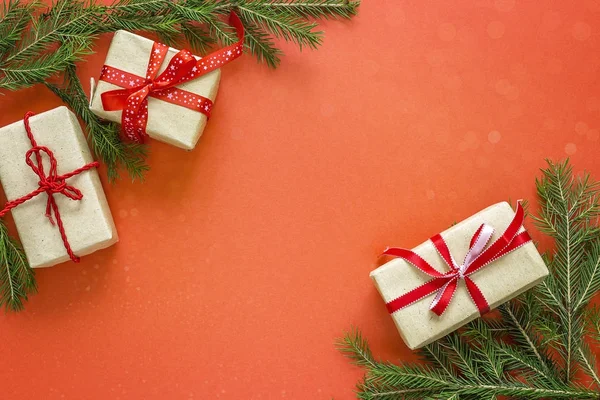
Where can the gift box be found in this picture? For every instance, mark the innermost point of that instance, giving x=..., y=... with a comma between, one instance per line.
x=456, y=276
x=62, y=197
x=167, y=122
x=157, y=91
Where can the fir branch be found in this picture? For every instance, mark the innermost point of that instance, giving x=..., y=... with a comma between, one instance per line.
x=17, y=279
x=355, y=347
x=505, y=356
x=156, y=16
x=462, y=357
x=55, y=39
x=590, y=275
x=389, y=381
x=262, y=46
x=519, y=324
x=103, y=136
x=435, y=354
x=568, y=206
x=328, y=9
x=198, y=37
x=280, y=24
x=200, y=11
x=593, y=323
x=37, y=43
x=15, y=15
x=74, y=24
x=37, y=69
x=541, y=339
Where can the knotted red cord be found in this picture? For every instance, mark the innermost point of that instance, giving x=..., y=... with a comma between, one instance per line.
x=51, y=184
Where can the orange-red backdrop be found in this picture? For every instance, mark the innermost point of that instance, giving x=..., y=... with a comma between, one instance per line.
x=241, y=262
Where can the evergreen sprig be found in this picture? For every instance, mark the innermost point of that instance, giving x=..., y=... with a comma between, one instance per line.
x=47, y=41
x=17, y=279
x=37, y=43
x=536, y=343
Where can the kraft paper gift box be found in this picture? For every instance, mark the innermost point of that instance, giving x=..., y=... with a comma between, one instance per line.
x=170, y=123
x=499, y=281
x=87, y=222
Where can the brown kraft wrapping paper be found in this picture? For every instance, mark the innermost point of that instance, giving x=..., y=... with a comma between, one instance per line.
x=88, y=222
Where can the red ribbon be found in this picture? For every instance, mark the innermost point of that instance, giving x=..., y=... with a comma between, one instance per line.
x=445, y=284
x=52, y=184
x=183, y=67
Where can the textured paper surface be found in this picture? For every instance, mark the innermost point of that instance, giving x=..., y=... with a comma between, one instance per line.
x=500, y=281
x=283, y=241
x=88, y=222
x=167, y=122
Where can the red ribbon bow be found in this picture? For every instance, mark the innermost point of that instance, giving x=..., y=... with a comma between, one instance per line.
x=479, y=256
x=51, y=184
x=183, y=67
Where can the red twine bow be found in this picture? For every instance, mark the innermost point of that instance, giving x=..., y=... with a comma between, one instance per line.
x=51, y=184
x=479, y=256
x=183, y=67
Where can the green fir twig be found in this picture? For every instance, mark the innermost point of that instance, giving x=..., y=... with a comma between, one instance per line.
x=38, y=42
x=17, y=280
x=541, y=338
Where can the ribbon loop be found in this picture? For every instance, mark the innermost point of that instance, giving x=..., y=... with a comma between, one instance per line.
x=183, y=67
x=478, y=256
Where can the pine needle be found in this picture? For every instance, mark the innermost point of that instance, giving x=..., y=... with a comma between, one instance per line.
x=15, y=15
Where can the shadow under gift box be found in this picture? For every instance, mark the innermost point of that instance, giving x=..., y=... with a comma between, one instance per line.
x=88, y=222
x=169, y=123
x=499, y=281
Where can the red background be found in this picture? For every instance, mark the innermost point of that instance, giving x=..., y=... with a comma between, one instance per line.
x=241, y=262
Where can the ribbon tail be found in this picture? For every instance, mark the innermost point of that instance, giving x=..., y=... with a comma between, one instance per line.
x=501, y=243
x=238, y=25
x=50, y=208
x=63, y=234
x=518, y=241
x=444, y=296
x=443, y=250
x=475, y=236
x=415, y=295
x=135, y=117
x=477, y=296
x=71, y=192
x=414, y=259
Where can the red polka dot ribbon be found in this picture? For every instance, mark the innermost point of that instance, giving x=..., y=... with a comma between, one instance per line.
x=183, y=67
x=478, y=256
x=51, y=183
